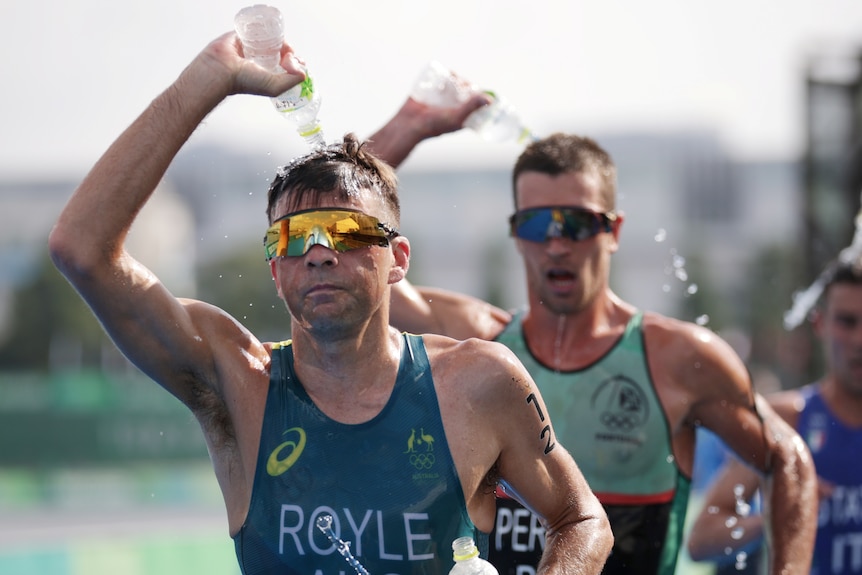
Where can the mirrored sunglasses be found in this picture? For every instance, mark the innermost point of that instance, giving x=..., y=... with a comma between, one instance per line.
x=337, y=229
x=542, y=224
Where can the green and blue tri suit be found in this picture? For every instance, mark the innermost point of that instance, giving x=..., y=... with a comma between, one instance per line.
x=389, y=484
x=609, y=417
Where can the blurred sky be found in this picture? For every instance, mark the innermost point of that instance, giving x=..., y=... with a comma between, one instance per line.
x=75, y=74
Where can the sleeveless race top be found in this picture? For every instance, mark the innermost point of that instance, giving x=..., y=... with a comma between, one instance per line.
x=389, y=484
x=609, y=417
x=837, y=453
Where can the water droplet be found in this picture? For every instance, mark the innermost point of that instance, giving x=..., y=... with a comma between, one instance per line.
x=692, y=289
x=712, y=509
x=660, y=235
x=743, y=508
x=681, y=274
x=251, y=305
x=737, y=533
x=670, y=458
x=731, y=521
x=702, y=319
x=665, y=288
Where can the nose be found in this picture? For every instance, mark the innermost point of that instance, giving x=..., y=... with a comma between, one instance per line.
x=318, y=255
x=557, y=246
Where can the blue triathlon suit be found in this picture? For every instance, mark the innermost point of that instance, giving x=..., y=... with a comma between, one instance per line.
x=389, y=484
x=608, y=415
x=837, y=453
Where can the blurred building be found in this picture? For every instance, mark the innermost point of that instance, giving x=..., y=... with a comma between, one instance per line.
x=833, y=160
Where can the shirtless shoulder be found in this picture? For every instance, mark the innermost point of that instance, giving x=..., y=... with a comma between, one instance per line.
x=476, y=370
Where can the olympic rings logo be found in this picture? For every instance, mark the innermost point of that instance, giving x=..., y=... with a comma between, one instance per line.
x=422, y=460
x=619, y=421
x=621, y=403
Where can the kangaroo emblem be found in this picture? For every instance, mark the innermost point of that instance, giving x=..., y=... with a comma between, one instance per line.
x=410, y=441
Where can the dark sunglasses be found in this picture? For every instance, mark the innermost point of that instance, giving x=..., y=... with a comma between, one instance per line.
x=542, y=224
x=335, y=228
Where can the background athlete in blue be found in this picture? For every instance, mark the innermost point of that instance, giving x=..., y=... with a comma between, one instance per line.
x=828, y=416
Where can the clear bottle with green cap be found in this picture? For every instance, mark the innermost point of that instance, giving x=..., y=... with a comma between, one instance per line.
x=467, y=560
x=260, y=29
x=499, y=121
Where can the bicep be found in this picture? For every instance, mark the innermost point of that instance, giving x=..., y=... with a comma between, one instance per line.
x=536, y=467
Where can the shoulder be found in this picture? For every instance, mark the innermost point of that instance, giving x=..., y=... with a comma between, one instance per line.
x=475, y=366
x=788, y=404
x=693, y=364
x=687, y=344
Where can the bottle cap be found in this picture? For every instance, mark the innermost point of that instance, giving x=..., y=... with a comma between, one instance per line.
x=464, y=548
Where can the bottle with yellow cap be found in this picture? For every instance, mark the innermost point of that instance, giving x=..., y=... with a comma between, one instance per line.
x=467, y=560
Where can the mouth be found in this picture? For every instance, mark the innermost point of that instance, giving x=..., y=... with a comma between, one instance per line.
x=321, y=289
x=560, y=278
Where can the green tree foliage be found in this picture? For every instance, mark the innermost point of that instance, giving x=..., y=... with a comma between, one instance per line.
x=44, y=310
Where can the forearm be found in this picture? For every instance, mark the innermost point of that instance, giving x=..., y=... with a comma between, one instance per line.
x=578, y=548
x=792, y=512
x=415, y=122
x=396, y=139
x=714, y=533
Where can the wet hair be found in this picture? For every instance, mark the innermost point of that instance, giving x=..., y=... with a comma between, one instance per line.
x=561, y=153
x=342, y=171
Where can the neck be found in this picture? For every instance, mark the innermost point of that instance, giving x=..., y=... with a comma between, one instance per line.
x=569, y=341
x=846, y=406
x=350, y=380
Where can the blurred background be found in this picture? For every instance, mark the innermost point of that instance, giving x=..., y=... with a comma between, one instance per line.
x=735, y=127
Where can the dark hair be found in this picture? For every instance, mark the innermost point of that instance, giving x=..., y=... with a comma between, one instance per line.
x=560, y=153
x=846, y=269
x=344, y=169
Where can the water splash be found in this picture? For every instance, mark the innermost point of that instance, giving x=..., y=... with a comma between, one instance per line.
x=803, y=301
x=741, y=561
x=324, y=523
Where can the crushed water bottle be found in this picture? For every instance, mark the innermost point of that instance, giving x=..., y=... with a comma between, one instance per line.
x=260, y=29
x=467, y=560
x=498, y=121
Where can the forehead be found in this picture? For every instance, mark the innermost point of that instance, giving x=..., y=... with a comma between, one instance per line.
x=365, y=201
x=575, y=189
x=845, y=298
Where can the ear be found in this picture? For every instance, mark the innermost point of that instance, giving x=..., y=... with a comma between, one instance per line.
x=615, y=231
x=400, y=247
x=815, y=316
x=274, y=274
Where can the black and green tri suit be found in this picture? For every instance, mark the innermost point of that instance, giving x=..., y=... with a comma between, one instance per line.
x=389, y=484
x=609, y=417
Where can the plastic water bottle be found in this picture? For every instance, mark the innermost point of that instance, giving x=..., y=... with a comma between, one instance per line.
x=498, y=121
x=467, y=560
x=261, y=30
